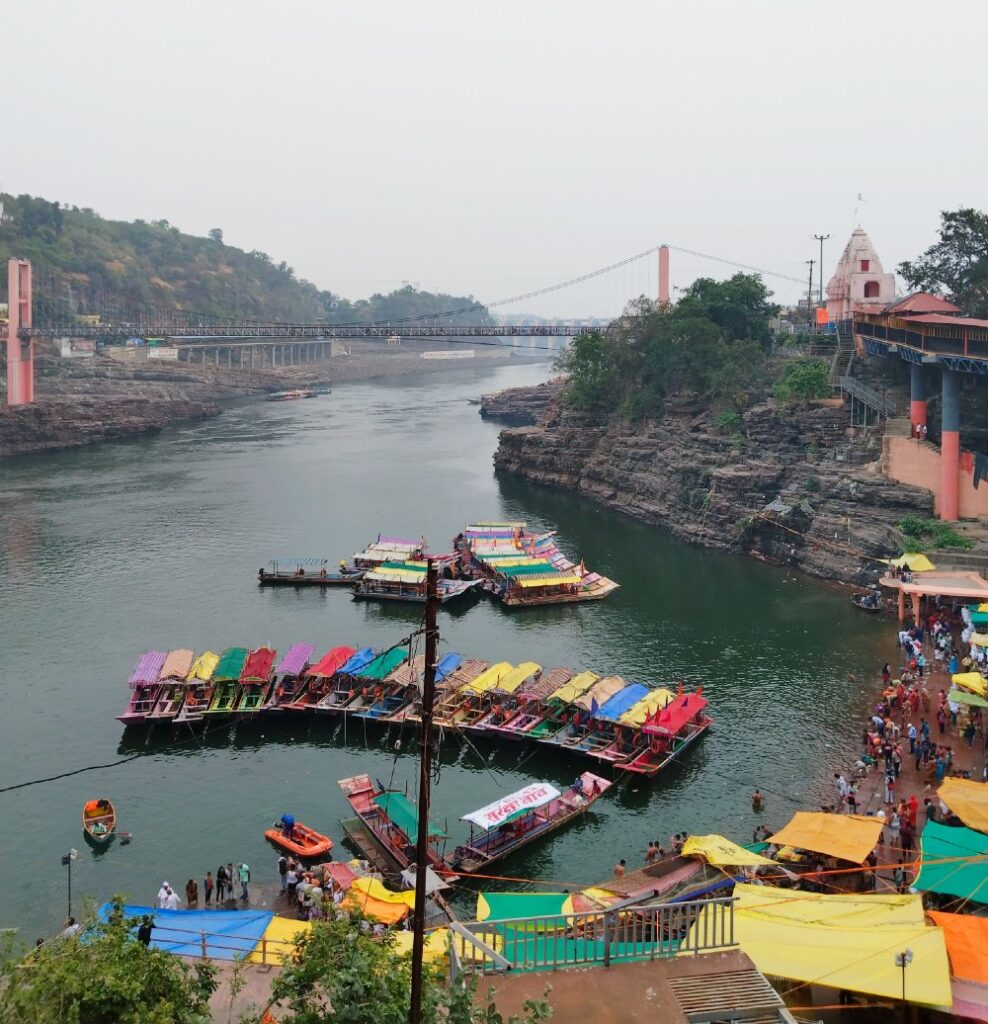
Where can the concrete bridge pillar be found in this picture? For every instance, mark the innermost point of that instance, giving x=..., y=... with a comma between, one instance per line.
x=663, y=275
x=950, y=446
x=917, y=396
x=216, y=353
x=20, y=351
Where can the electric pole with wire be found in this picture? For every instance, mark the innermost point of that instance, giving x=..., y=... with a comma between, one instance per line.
x=809, y=295
x=821, y=239
x=425, y=770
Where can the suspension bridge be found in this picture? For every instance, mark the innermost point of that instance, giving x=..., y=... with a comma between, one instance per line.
x=286, y=343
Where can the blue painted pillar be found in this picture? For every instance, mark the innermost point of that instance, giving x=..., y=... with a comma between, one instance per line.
x=950, y=446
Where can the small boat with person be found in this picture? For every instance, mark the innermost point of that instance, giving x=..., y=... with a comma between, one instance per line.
x=868, y=601
x=291, y=396
x=99, y=820
x=299, y=839
x=308, y=572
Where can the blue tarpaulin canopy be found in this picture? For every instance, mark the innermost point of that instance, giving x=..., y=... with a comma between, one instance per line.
x=615, y=707
x=358, y=661
x=446, y=664
x=229, y=933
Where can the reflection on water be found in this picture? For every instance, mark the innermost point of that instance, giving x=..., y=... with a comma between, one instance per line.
x=155, y=543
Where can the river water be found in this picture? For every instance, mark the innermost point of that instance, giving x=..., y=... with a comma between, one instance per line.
x=154, y=543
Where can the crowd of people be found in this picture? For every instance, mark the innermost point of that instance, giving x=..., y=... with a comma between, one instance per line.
x=217, y=890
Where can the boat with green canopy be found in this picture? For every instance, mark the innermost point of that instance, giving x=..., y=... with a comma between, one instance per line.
x=388, y=820
x=557, y=708
x=369, y=683
x=226, y=680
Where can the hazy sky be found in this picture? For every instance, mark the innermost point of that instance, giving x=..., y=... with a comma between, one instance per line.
x=496, y=147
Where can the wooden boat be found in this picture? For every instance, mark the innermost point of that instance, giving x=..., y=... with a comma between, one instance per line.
x=198, y=689
x=868, y=601
x=558, y=710
x=499, y=702
x=143, y=681
x=226, y=681
x=289, y=677
x=515, y=821
x=581, y=722
x=317, y=681
x=171, y=695
x=255, y=681
x=467, y=702
x=369, y=685
x=670, y=733
x=300, y=840
x=455, y=678
x=342, y=688
x=401, y=688
x=308, y=572
x=389, y=549
x=531, y=707
x=411, y=674
x=99, y=820
x=405, y=581
x=291, y=396
x=388, y=821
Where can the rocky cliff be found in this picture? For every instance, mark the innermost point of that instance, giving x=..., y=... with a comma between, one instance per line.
x=521, y=407
x=797, y=489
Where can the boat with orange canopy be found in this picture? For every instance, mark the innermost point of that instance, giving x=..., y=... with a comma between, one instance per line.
x=99, y=819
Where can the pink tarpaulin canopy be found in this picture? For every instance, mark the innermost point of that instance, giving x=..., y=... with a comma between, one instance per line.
x=295, y=660
x=148, y=668
x=257, y=668
x=669, y=720
x=331, y=662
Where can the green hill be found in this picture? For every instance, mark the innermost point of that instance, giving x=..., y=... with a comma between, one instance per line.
x=85, y=264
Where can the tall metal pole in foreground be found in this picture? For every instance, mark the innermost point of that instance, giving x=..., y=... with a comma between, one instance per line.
x=809, y=295
x=425, y=768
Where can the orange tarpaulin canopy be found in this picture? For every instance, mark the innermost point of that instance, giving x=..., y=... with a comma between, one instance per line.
x=967, y=944
x=845, y=836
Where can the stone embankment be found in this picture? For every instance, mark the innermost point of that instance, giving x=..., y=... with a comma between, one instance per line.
x=119, y=393
x=832, y=512
x=520, y=407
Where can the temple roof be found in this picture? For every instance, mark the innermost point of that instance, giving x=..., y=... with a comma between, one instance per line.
x=921, y=302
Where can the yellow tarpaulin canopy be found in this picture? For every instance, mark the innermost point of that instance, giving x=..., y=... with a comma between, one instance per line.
x=968, y=800
x=842, y=941
x=436, y=949
x=637, y=713
x=204, y=666
x=547, y=581
x=980, y=639
x=489, y=678
x=846, y=836
x=372, y=899
x=972, y=681
x=568, y=692
x=718, y=850
x=914, y=563
x=279, y=937
x=517, y=676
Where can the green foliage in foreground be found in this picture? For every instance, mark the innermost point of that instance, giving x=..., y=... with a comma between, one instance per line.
x=86, y=264
x=710, y=344
x=104, y=976
x=932, y=533
x=344, y=976
x=802, y=381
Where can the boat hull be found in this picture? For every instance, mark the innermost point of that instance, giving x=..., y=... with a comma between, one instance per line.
x=650, y=765
x=305, y=842
x=94, y=816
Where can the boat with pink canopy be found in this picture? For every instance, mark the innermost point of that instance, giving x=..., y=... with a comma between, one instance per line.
x=145, y=686
x=289, y=675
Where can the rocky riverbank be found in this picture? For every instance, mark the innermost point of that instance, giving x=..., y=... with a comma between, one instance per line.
x=121, y=393
x=521, y=407
x=799, y=489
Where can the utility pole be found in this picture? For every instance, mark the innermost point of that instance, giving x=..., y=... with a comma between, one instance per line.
x=821, y=239
x=809, y=295
x=425, y=769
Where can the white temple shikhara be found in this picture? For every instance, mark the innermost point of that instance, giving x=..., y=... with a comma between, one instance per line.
x=859, y=284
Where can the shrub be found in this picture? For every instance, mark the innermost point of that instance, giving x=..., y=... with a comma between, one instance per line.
x=729, y=421
x=932, y=533
x=802, y=381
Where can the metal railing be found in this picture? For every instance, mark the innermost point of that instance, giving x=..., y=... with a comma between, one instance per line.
x=873, y=399
x=619, y=934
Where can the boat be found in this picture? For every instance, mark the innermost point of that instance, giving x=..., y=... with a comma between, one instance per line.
x=291, y=396
x=316, y=681
x=171, y=695
x=406, y=701
x=499, y=702
x=255, y=681
x=99, y=820
x=530, y=706
x=389, y=549
x=515, y=821
x=198, y=689
x=388, y=824
x=607, y=737
x=342, y=688
x=307, y=572
x=526, y=570
x=558, y=708
x=226, y=681
x=671, y=731
x=406, y=581
x=299, y=839
x=369, y=685
x=580, y=723
x=467, y=701
x=868, y=601
x=456, y=677
x=145, y=688
x=289, y=677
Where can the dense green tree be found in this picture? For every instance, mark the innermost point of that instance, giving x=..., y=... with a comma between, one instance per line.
x=739, y=306
x=102, y=976
x=956, y=265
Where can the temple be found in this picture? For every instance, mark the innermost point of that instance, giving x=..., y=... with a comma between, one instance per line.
x=859, y=284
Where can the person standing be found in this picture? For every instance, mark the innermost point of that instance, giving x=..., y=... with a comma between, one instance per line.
x=163, y=895
x=911, y=733
x=244, y=872
x=172, y=901
x=757, y=801
x=221, y=884
x=231, y=881
x=894, y=824
x=283, y=871
x=192, y=894
x=207, y=888
x=144, y=932
x=890, y=785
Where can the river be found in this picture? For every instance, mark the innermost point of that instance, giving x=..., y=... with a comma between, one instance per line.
x=154, y=543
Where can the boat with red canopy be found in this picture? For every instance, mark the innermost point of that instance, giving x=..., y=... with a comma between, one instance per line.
x=670, y=731
x=317, y=678
x=255, y=680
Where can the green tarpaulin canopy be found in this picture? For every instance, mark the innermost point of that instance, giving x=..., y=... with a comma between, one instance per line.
x=384, y=664
x=502, y=906
x=963, y=697
x=230, y=665
x=954, y=862
x=404, y=814
x=979, y=618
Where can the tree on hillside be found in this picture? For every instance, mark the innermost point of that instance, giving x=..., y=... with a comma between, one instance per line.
x=739, y=306
x=343, y=975
x=103, y=975
x=956, y=265
x=216, y=234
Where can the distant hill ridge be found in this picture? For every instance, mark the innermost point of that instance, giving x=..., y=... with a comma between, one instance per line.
x=86, y=264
